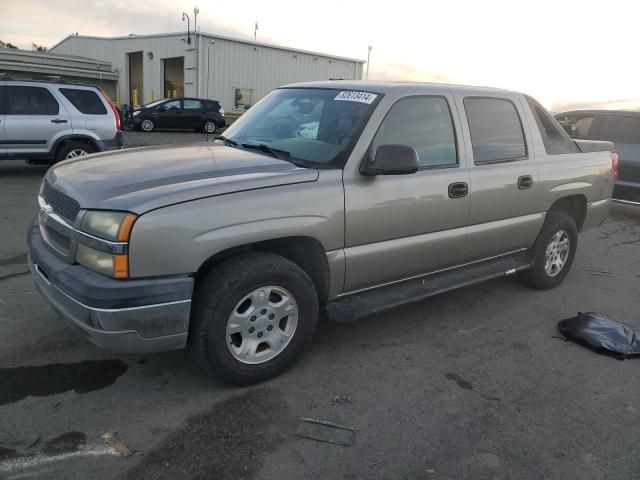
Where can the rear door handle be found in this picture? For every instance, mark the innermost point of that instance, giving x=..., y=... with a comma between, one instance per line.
x=525, y=181
x=458, y=190
x=58, y=120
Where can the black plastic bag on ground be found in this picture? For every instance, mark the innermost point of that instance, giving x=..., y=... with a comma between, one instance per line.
x=602, y=333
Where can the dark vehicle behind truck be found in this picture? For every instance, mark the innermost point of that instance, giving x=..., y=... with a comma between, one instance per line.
x=620, y=127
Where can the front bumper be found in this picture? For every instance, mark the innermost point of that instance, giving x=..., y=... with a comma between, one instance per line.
x=126, y=316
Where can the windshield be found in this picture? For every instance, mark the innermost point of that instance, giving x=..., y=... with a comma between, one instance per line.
x=317, y=126
x=153, y=104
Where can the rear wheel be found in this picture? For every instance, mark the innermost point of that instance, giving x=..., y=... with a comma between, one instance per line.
x=209, y=127
x=553, y=252
x=73, y=150
x=253, y=316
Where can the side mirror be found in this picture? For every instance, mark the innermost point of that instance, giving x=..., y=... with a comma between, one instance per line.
x=391, y=160
x=162, y=108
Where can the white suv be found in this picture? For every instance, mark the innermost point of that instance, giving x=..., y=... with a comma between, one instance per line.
x=49, y=122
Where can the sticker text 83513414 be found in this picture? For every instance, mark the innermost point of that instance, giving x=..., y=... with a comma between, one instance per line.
x=361, y=97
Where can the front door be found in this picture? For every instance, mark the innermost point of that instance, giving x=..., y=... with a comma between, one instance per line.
x=34, y=120
x=505, y=212
x=406, y=225
x=169, y=115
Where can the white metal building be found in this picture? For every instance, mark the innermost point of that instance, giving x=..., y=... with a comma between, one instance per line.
x=235, y=72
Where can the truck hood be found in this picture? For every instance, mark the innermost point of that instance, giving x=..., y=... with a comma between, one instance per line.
x=143, y=179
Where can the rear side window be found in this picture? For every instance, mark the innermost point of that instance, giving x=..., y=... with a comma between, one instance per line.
x=621, y=129
x=85, y=101
x=496, y=130
x=23, y=100
x=556, y=140
x=192, y=105
x=425, y=124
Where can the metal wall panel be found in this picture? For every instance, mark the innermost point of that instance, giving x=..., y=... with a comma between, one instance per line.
x=223, y=65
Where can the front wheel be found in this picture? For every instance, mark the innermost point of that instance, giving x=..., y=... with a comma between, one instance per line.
x=254, y=315
x=553, y=252
x=147, y=125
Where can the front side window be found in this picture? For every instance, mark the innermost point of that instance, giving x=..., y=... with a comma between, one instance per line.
x=173, y=105
x=242, y=98
x=621, y=129
x=423, y=123
x=192, y=105
x=314, y=125
x=31, y=101
x=496, y=130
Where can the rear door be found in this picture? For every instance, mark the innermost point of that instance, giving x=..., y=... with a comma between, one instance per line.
x=3, y=145
x=34, y=120
x=504, y=212
x=193, y=112
x=169, y=115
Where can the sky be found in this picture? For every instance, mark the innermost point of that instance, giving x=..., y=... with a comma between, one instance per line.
x=565, y=53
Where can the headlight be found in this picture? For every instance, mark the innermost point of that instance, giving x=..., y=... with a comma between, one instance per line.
x=137, y=112
x=114, y=226
x=116, y=266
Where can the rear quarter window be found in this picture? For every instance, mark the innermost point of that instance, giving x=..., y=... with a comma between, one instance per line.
x=621, y=129
x=85, y=101
x=556, y=140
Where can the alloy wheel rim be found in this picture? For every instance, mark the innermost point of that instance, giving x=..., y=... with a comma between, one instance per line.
x=147, y=125
x=557, y=253
x=262, y=324
x=209, y=127
x=76, y=152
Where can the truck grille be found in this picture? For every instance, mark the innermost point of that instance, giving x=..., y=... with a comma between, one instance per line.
x=58, y=240
x=62, y=204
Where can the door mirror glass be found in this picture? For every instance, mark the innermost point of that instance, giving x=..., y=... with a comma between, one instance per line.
x=391, y=160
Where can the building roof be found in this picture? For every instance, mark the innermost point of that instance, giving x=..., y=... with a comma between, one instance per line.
x=215, y=36
x=55, y=64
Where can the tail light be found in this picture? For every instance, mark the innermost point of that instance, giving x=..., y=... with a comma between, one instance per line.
x=615, y=163
x=114, y=110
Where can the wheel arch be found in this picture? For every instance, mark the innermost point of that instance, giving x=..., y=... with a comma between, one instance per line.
x=575, y=206
x=61, y=142
x=306, y=252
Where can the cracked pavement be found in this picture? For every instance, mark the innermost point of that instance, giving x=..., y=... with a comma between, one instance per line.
x=471, y=384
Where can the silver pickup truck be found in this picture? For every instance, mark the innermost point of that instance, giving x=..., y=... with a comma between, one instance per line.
x=348, y=197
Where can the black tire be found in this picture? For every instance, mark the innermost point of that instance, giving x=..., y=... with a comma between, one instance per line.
x=147, y=121
x=537, y=277
x=66, y=150
x=212, y=125
x=216, y=297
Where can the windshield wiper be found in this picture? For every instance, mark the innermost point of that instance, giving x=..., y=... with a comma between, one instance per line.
x=228, y=142
x=274, y=152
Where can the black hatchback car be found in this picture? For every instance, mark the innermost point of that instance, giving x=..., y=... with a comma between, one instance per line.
x=181, y=113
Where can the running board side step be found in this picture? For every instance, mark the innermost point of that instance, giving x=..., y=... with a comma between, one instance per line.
x=380, y=300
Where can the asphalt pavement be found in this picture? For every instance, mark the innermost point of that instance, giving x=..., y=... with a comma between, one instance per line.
x=472, y=384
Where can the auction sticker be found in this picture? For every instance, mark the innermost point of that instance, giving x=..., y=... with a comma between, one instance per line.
x=361, y=97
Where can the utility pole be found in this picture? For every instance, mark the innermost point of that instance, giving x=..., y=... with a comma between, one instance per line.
x=255, y=31
x=196, y=11
x=368, y=59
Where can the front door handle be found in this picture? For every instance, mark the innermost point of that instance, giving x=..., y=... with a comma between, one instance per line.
x=525, y=181
x=458, y=190
x=58, y=120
